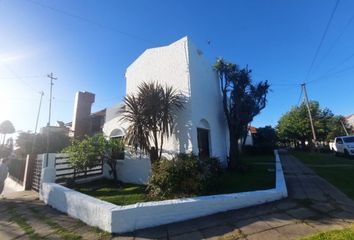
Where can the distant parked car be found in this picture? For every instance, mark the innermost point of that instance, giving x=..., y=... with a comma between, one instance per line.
x=343, y=145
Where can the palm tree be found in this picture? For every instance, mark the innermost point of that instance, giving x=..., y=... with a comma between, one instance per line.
x=6, y=127
x=151, y=113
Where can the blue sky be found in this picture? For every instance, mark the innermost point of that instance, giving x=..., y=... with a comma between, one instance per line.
x=89, y=44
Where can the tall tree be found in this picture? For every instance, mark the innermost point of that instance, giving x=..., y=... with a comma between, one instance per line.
x=6, y=127
x=294, y=126
x=151, y=113
x=242, y=101
x=37, y=143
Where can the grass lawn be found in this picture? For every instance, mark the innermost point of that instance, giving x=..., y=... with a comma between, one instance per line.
x=107, y=190
x=337, y=170
x=261, y=176
x=345, y=234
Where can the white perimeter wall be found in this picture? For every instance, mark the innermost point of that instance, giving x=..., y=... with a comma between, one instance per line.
x=119, y=219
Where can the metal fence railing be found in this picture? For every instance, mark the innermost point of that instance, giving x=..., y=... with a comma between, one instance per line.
x=64, y=170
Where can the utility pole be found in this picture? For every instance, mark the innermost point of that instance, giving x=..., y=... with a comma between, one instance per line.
x=35, y=129
x=50, y=95
x=50, y=112
x=345, y=130
x=310, y=116
x=39, y=111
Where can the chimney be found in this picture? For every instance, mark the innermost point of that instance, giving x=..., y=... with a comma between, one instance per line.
x=81, y=124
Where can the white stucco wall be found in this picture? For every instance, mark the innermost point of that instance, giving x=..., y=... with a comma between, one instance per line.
x=133, y=169
x=206, y=102
x=182, y=66
x=167, y=65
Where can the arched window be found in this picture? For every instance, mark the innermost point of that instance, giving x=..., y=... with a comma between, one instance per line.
x=117, y=133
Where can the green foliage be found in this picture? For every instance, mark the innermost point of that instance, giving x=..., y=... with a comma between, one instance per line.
x=151, y=114
x=86, y=153
x=185, y=175
x=90, y=151
x=263, y=141
x=343, y=234
x=295, y=125
x=242, y=101
x=38, y=142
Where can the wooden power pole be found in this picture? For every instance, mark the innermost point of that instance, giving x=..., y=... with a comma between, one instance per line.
x=310, y=115
x=50, y=113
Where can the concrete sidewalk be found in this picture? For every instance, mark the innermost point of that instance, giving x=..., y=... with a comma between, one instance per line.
x=313, y=205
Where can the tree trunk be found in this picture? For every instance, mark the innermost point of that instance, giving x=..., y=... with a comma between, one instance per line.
x=3, y=139
x=114, y=171
x=161, y=144
x=154, y=155
x=234, y=151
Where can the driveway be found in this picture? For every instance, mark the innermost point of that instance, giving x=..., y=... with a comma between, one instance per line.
x=313, y=205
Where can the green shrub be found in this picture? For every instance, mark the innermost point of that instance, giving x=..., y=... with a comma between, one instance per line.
x=183, y=176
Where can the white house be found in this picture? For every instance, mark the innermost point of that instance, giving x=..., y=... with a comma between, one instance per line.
x=200, y=127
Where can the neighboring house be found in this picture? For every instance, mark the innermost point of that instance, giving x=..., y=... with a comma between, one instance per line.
x=84, y=122
x=250, y=134
x=350, y=121
x=200, y=127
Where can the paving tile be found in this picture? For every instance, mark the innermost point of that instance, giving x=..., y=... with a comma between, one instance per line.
x=252, y=225
x=267, y=235
x=40, y=227
x=301, y=213
x=153, y=233
x=323, y=225
x=277, y=219
x=208, y=222
x=295, y=231
x=190, y=236
x=219, y=231
x=322, y=207
x=286, y=204
x=10, y=230
x=345, y=216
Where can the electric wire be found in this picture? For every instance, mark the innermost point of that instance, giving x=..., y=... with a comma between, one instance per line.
x=322, y=39
x=89, y=21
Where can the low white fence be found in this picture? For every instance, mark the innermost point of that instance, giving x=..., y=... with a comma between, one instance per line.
x=119, y=219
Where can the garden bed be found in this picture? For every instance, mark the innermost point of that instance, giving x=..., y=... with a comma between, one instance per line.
x=261, y=175
x=119, y=219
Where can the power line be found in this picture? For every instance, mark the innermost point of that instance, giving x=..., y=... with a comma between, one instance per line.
x=19, y=78
x=336, y=40
x=322, y=39
x=298, y=102
x=332, y=73
x=87, y=20
x=22, y=77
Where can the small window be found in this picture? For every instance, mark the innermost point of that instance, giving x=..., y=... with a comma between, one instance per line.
x=339, y=141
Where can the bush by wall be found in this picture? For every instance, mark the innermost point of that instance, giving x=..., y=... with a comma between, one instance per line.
x=183, y=176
